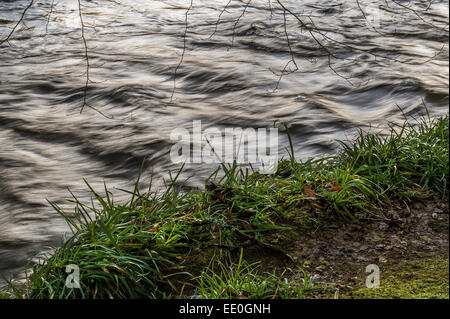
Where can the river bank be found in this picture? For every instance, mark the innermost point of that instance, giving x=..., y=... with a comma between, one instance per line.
x=231, y=76
x=308, y=231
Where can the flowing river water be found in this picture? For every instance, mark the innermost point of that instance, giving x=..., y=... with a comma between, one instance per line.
x=393, y=57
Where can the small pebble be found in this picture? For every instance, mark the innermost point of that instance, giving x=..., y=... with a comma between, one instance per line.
x=320, y=268
x=382, y=259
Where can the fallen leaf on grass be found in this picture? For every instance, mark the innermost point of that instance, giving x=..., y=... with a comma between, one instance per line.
x=308, y=191
x=335, y=188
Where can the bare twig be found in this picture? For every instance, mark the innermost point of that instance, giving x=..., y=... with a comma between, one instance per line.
x=184, y=50
x=292, y=60
x=86, y=56
x=271, y=10
x=239, y=19
x=17, y=24
x=314, y=31
x=416, y=13
x=220, y=16
x=367, y=20
x=324, y=42
x=48, y=17
x=337, y=73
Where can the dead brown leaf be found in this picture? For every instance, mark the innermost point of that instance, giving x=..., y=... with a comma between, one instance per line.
x=308, y=191
x=335, y=188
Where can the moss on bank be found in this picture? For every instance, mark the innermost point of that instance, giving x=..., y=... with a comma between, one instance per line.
x=426, y=278
x=159, y=245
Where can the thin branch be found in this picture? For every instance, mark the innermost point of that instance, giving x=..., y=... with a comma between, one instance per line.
x=337, y=73
x=306, y=27
x=86, y=57
x=367, y=20
x=220, y=16
x=184, y=50
x=419, y=16
x=429, y=5
x=17, y=24
x=292, y=60
x=271, y=9
x=237, y=21
x=311, y=31
x=48, y=17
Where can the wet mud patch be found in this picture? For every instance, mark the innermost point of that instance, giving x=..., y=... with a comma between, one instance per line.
x=411, y=250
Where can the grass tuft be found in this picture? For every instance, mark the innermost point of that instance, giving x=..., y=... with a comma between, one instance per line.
x=244, y=280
